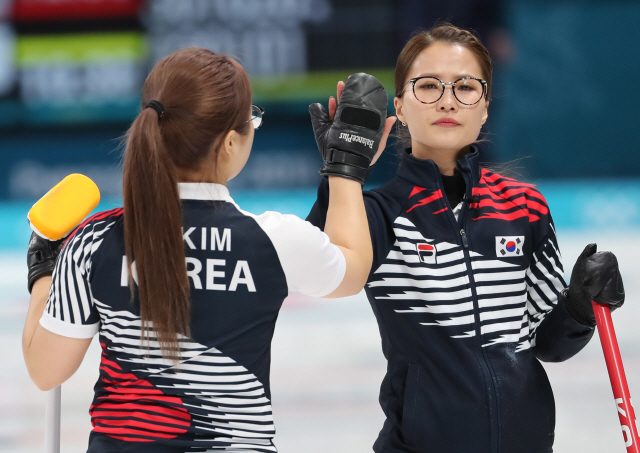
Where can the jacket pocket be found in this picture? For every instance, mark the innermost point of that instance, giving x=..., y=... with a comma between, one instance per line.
x=410, y=406
x=444, y=411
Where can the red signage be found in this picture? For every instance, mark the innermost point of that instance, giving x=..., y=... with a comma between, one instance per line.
x=54, y=10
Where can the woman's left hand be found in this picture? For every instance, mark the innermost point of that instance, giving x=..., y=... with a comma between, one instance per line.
x=596, y=277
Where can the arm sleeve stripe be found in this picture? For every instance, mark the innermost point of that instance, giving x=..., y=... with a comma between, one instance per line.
x=68, y=330
x=61, y=290
x=82, y=290
x=72, y=285
x=545, y=279
x=70, y=310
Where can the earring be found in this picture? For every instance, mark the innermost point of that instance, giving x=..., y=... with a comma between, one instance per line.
x=403, y=123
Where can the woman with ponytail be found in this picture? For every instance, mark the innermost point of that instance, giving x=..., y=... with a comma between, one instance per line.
x=182, y=286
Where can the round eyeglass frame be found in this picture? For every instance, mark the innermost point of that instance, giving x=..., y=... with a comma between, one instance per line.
x=444, y=86
x=259, y=114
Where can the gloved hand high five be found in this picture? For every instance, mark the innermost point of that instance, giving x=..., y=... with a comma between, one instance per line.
x=349, y=142
x=596, y=277
x=41, y=257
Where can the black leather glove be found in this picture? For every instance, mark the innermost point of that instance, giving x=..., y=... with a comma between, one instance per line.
x=595, y=276
x=349, y=142
x=41, y=257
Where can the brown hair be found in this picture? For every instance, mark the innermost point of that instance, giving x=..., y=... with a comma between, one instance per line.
x=448, y=34
x=205, y=95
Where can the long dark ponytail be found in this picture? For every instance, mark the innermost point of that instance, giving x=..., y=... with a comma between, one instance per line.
x=204, y=95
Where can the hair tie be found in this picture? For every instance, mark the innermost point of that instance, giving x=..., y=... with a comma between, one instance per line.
x=155, y=105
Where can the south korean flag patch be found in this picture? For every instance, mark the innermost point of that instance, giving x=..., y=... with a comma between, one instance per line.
x=509, y=246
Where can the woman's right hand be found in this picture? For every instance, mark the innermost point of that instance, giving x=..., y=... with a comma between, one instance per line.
x=388, y=125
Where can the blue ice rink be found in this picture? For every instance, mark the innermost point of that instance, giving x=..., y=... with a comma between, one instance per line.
x=327, y=362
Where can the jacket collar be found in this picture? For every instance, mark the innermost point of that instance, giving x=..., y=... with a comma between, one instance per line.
x=425, y=172
x=203, y=191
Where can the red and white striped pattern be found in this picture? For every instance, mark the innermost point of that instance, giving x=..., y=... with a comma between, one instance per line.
x=206, y=393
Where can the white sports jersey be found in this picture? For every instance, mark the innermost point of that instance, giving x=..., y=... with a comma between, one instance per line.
x=241, y=267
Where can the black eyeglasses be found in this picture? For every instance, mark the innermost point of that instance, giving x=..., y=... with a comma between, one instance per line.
x=256, y=116
x=466, y=90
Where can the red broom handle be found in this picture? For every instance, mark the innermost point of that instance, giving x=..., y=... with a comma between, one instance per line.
x=617, y=377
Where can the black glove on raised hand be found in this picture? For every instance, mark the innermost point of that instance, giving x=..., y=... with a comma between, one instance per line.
x=595, y=276
x=41, y=257
x=349, y=142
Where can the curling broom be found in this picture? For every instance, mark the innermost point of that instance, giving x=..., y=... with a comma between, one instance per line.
x=53, y=217
x=618, y=379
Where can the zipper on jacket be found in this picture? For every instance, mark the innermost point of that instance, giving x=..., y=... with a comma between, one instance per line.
x=465, y=242
x=486, y=367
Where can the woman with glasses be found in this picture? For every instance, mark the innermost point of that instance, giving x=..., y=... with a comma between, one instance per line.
x=182, y=285
x=467, y=283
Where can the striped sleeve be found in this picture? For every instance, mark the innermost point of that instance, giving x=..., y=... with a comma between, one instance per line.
x=545, y=281
x=70, y=311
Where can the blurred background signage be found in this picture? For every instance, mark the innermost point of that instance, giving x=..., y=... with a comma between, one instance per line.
x=71, y=73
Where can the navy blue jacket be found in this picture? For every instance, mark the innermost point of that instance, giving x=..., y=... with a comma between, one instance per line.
x=466, y=309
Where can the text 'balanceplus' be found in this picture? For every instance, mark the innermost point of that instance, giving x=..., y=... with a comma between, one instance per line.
x=215, y=275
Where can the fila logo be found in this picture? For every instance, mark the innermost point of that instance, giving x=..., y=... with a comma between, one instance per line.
x=426, y=252
x=509, y=246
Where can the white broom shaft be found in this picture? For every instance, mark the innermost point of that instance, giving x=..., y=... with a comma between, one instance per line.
x=52, y=421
